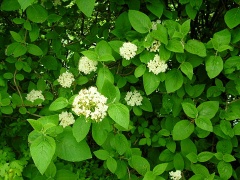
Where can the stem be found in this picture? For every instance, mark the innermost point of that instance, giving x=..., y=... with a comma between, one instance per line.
x=36, y=115
x=15, y=83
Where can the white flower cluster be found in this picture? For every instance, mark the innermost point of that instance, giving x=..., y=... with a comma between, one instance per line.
x=175, y=175
x=66, y=79
x=91, y=104
x=66, y=119
x=133, y=98
x=156, y=65
x=154, y=47
x=86, y=65
x=155, y=23
x=34, y=95
x=128, y=50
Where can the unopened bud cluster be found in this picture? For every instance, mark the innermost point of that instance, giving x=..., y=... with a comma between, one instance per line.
x=175, y=175
x=128, y=50
x=66, y=79
x=34, y=95
x=157, y=65
x=66, y=119
x=133, y=98
x=86, y=65
x=91, y=104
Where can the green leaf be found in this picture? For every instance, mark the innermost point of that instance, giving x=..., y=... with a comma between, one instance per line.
x=222, y=37
x=27, y=25
x=10, y=5
x=146, y=105
x=224, y=146
x=8, y=75
x=110, y=91
x=178, y=161
x=111, y=164
x=23, y=110
x=192, y=157
x=205, y=156
x=36, y=124
x=204, y=123
x=156, y=7
x=174, y=80
x=81, y=128
x=102, y=49
x=36, y=13
x=42, y=150
x=121, y=144
x=182, y=130
x=25, y=3
x=69, y=149
x=228, y=158
x=16, y=36
x=6, y=110
x=208, y=109
x=191, y=12
x=214, y=66
x=16, y=49
x=140, y=164
x=139, y=21
x=224, y=169
x=160, y=34
x=175, y=46
x=185, y=28
x=51, y=170
x=232, y=17
x=120, y=114
x=101, y=154
x=196, y=47
x=34, y=50
x=63, y=174
x=100, y=131
x=149, y=176
x=160, y=168
x=104, y=74
x=140, y=70
x=236, y=129
x=190, y=110
x=187, y=69
x=86, y=6
x=150, y=82
x=165, y=54
x=53, y=18
x=226, y=128
x=34, y=33
x=121, y=170
x=58, y=104
x=49, y=62
x=53, y=119
x=187, y=146
x=200, y=169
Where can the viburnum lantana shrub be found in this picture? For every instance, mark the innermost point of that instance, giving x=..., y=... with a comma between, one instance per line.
x=110, y=89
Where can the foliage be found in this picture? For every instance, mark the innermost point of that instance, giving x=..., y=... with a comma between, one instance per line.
x=184, y=107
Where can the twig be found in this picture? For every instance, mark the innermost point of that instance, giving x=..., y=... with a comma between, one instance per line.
x=15, y=83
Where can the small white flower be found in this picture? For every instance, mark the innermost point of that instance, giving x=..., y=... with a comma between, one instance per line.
x=175, y=175
x=133, y=98
x=86, y=65
x=91, y=104
x=156, y=65
x=128, y=50
x=34, y=95
x=66, y=79
x=155, y=23
x=154, y=47
x=66, y=119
